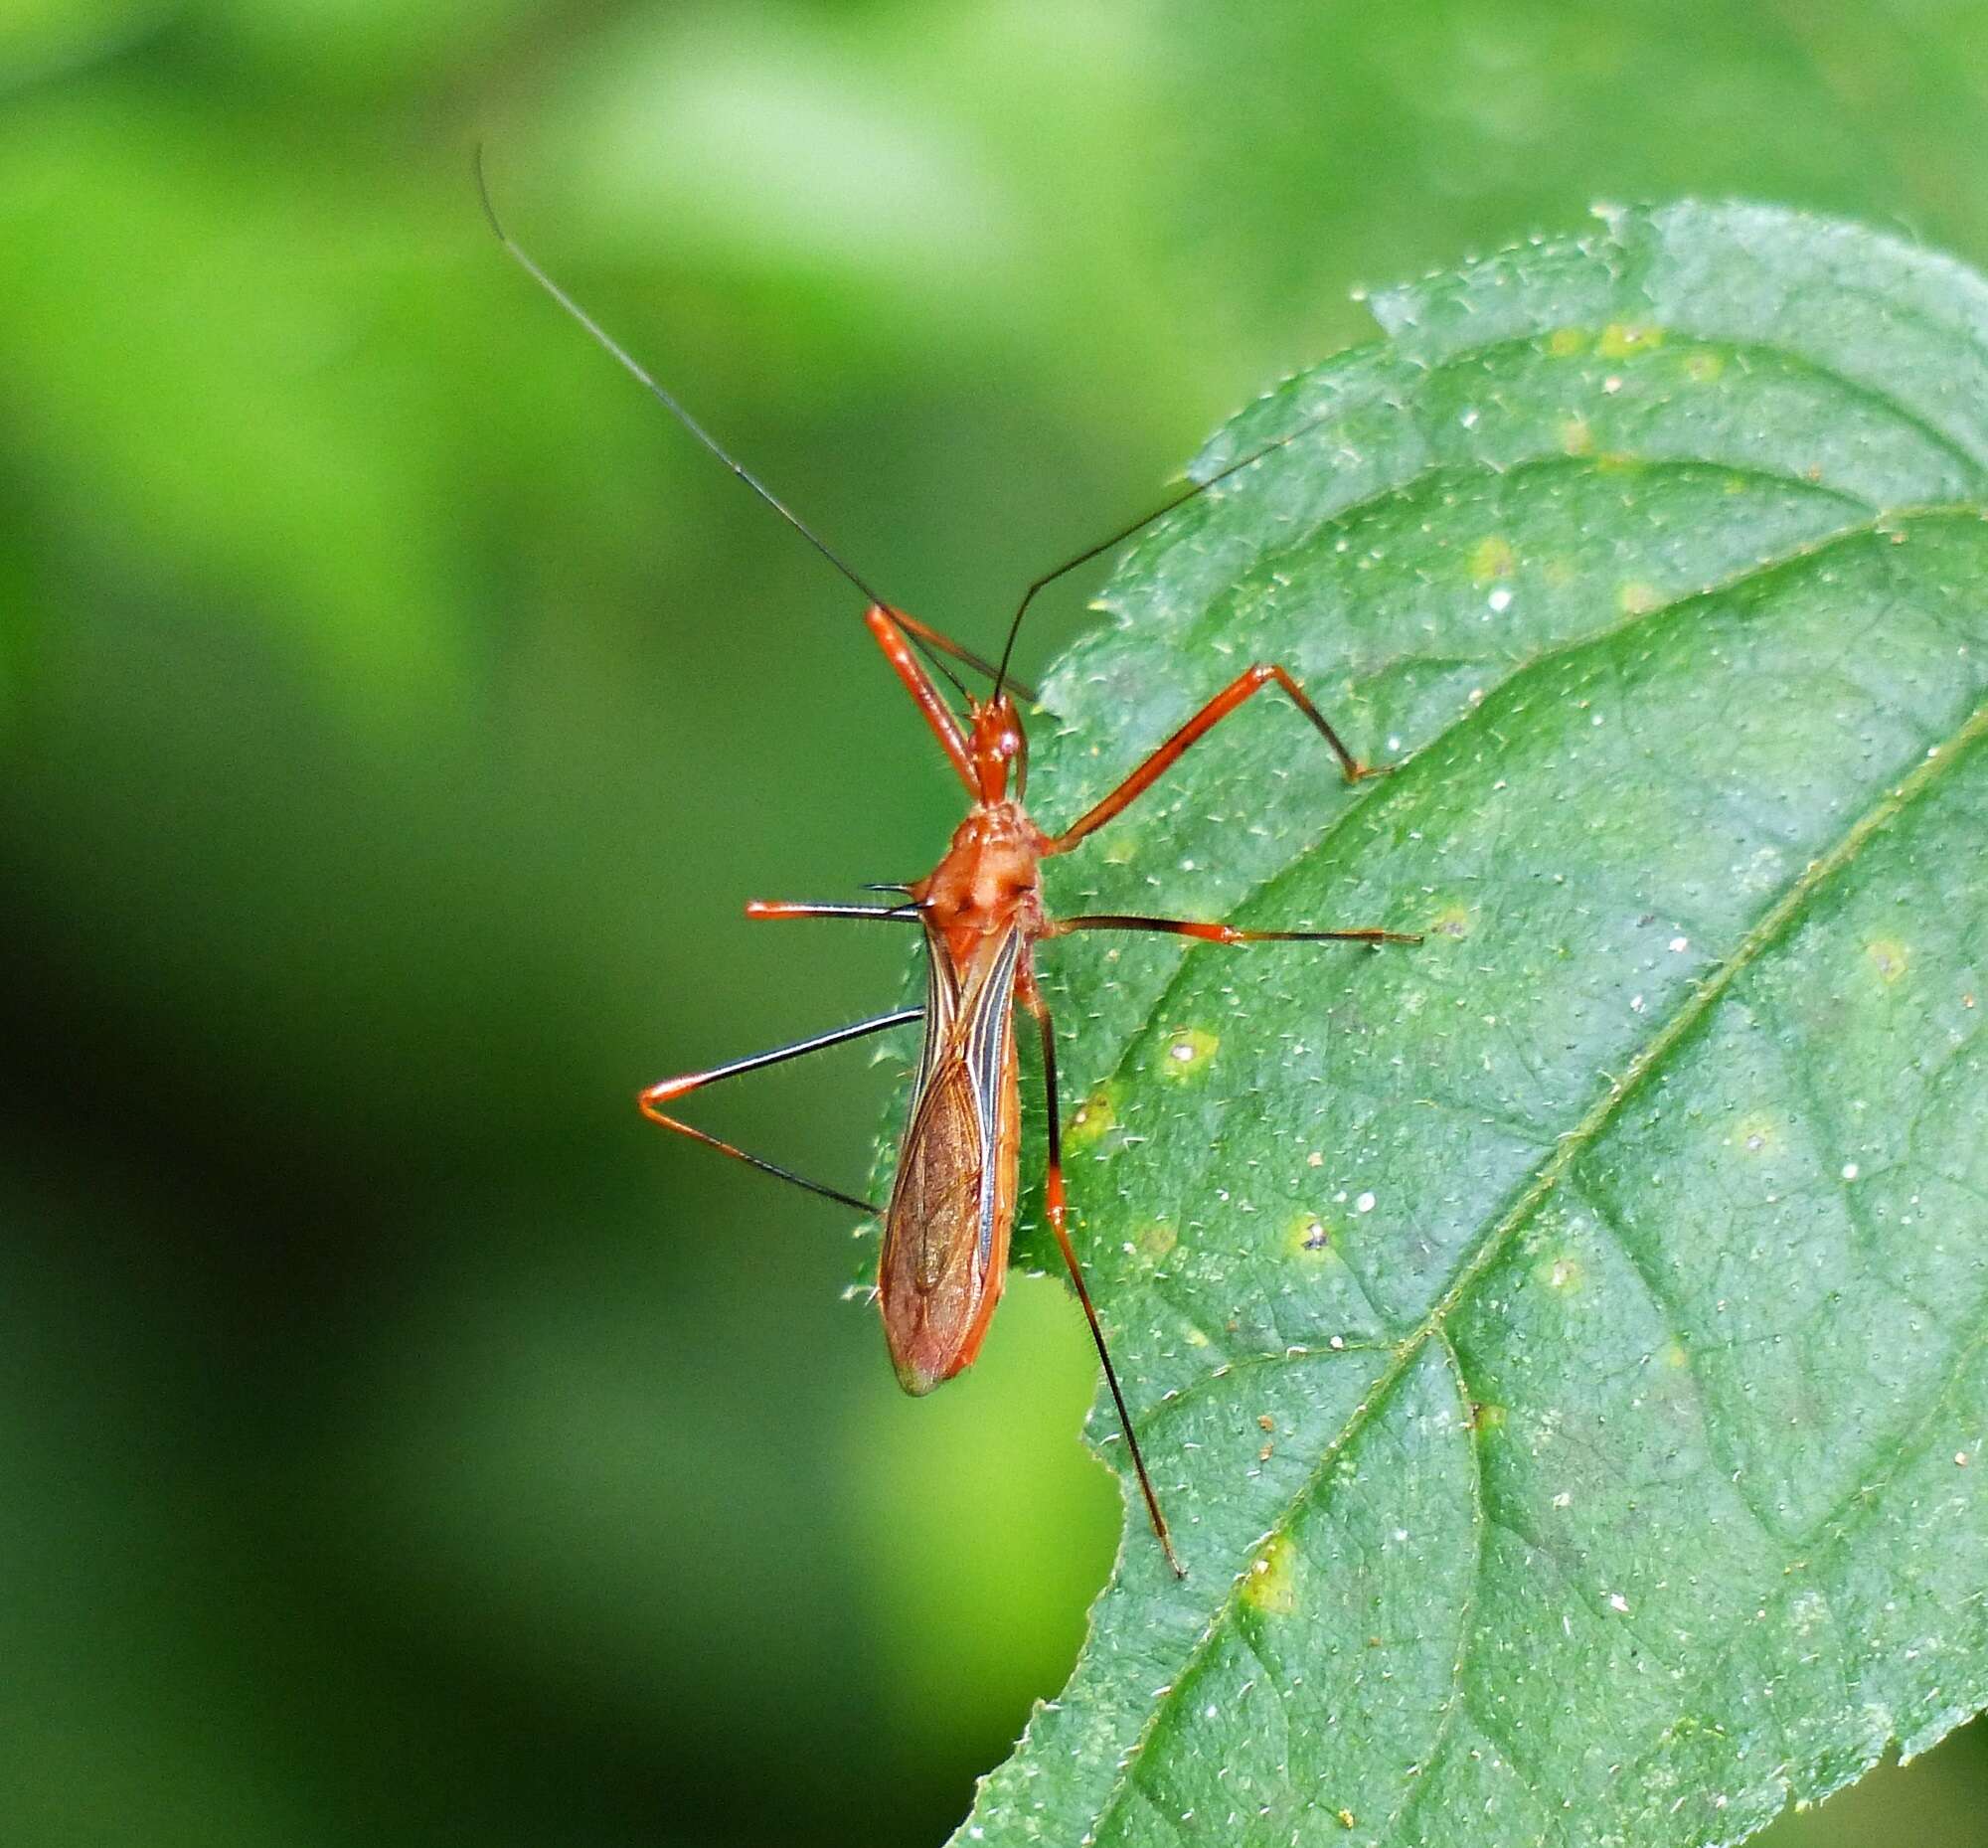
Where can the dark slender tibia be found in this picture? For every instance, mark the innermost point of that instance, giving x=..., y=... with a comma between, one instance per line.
x=780, y=907
x=1053, y=1196
x=1221, y=932
x=670, y=1089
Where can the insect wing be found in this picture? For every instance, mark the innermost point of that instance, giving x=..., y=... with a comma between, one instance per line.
x=952, y=1201
x=941, y=1010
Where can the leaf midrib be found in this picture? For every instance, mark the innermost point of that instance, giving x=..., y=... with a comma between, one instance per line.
x=1767, y=571
x=1527, y=469
x=1881, y=520
x=1698, y=1001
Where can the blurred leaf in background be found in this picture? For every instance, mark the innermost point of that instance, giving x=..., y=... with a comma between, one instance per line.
x=404, y=1445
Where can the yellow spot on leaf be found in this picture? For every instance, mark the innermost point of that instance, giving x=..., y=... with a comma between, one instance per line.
x=1492, y=559
x=1487, y=1419
x=1702, y=368
x=1186, y=1053
x=1567, y=342
x=1638, y=599
x=1675, y=1356
x=1309, y=1237
x=1618, y=462
x=1270, y=1585
x=1625, y=339
x=1453, y=920
x=1576, y=437
x=1094, y=1118
x=1158, y=1239
x=1889, y=958
x=1561, y=1274
x=1758, y=1134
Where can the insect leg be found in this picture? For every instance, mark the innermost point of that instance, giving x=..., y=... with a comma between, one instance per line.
x=1250, y=681
x=666, y=1091
x=946, y=645
x=890, y=637
x=780, y=907
x=1053, y=1195
x=1221, y=932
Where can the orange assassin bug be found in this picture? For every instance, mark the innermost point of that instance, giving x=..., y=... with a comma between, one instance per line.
x=952, y=1201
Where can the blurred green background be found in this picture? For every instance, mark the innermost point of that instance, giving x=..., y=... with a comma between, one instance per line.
x=401, y=1442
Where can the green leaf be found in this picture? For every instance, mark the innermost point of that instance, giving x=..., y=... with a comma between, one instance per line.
x=1560, y=1346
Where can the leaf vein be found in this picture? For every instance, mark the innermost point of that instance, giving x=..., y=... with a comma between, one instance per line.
x=1422, y=1776
x=1767, y=931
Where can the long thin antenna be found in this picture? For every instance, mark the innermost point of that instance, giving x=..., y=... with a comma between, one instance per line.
x=921, y=635
x=635, y=368
x=1125, y=533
